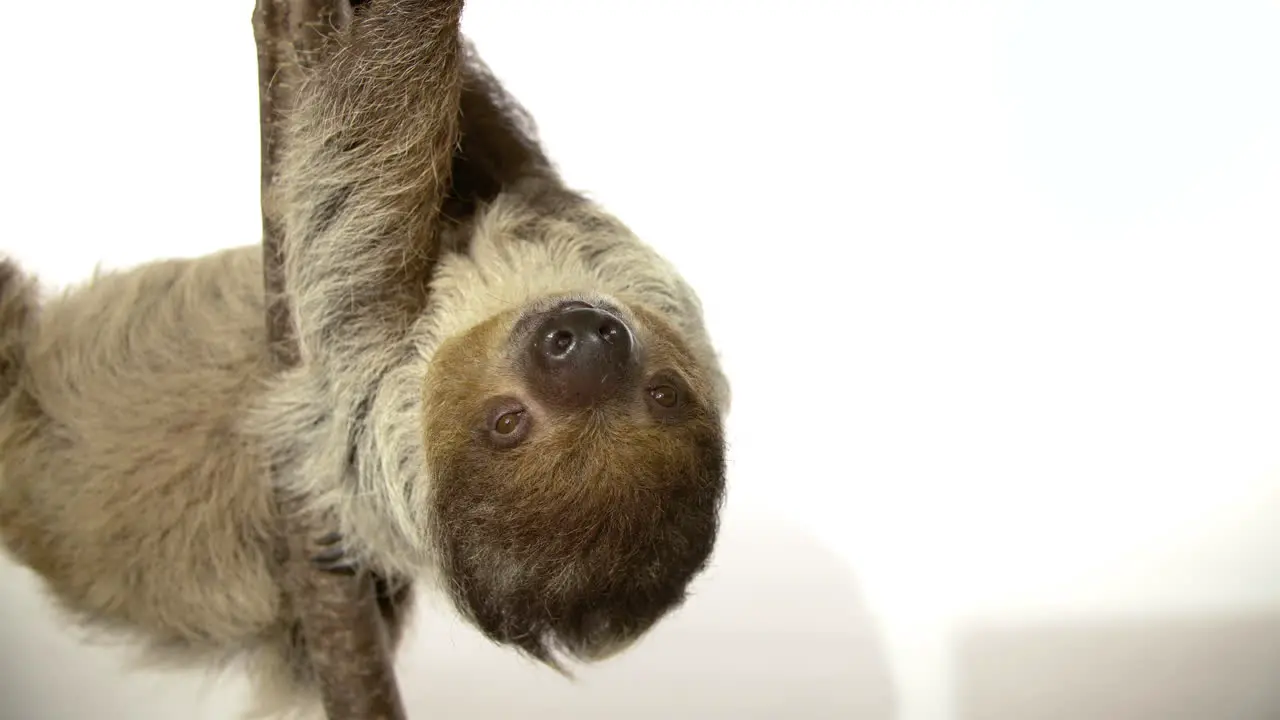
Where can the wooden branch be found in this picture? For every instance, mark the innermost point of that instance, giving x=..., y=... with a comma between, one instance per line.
x=341, y=628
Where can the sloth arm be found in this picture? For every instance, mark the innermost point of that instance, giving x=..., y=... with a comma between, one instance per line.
x=363, y=179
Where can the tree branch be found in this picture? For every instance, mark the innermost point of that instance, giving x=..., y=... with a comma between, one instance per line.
x=341, y=628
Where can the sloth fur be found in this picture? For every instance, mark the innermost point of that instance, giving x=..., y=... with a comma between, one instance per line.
x=139, y=412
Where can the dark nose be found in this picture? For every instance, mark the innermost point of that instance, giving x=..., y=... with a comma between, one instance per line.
x=580, y=356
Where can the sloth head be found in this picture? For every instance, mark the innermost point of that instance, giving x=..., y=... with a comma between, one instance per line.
x=577, y=461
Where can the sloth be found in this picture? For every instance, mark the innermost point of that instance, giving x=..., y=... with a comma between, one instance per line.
x=504, y=396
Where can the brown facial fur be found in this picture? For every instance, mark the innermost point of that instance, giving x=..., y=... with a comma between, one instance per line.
x=584, y=535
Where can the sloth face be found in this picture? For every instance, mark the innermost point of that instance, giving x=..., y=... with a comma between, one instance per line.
x=577, y=465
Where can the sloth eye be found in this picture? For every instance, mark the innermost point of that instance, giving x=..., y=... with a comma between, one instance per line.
x=664, y=395
x=508, y=423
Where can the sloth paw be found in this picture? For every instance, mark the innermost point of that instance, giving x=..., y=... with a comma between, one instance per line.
x=333, y=558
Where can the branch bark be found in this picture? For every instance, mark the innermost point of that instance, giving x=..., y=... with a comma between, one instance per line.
x=343, y=633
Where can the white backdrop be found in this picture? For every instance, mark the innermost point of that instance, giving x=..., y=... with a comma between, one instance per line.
x=994, y=283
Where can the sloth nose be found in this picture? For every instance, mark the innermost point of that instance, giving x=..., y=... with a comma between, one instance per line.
x=581, y=355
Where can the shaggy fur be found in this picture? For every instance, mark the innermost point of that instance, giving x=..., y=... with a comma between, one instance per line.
x=138, y=412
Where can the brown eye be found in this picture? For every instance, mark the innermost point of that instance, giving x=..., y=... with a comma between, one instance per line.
x=508, y=423
x=664, y=395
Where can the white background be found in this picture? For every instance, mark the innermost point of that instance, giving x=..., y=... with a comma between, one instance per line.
x=995, y=284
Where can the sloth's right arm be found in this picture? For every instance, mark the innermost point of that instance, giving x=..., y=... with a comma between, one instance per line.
x=364, y=174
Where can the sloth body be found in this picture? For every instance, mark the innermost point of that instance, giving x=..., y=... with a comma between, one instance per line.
x=504, y=395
